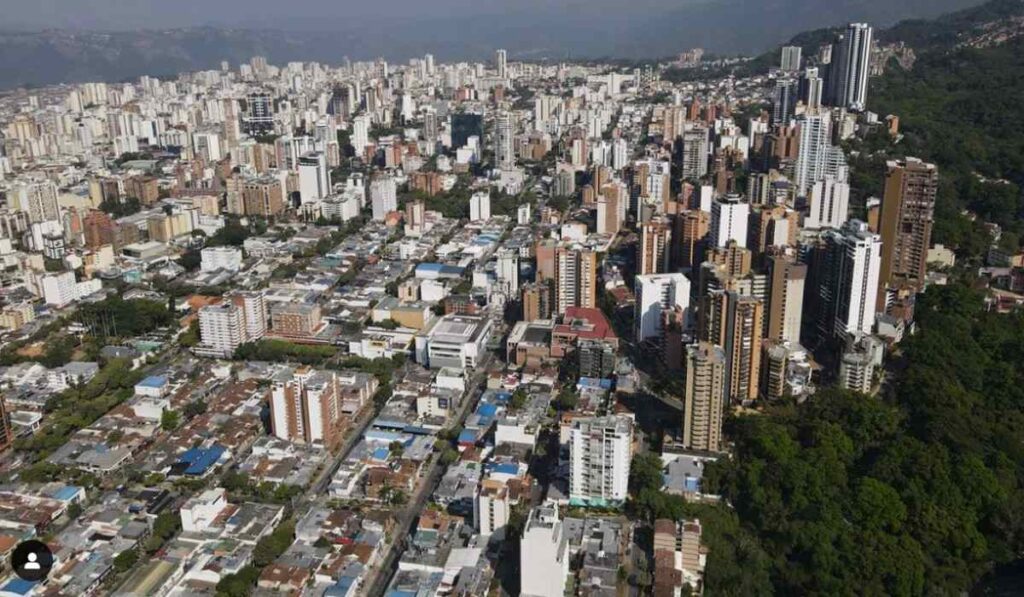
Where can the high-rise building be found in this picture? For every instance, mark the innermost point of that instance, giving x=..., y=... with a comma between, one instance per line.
x=504, y=150
x=653, y=250
x=729, y=219
x=305, y=407
x=691, y=228
x=848, y=279
x=222, y=329
x=538, y=301
x=99, y=229
x=829, y=204
x=259, y=119
x=263, y=196
x=773, y=227
x=508, y=271
x=812, y=88
x=383, y=196
x=790, y=61
x=734, y=322
x=575, y=278
x=543, y=554
x=705, y=400
x=815, y=130
x=785, y=298
x=254, y=313
x=905, y=225
x=491, y=507
x=360, y=133
x=600, y=450
x=314, y=177
x=695, y=152
x=6, y=433
x=501, y=63
x=850, y=67
x=784, y=98
x=37, y=198
x=655, y=294
x=480, y=206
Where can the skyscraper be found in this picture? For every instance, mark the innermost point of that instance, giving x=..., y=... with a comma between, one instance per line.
x=850, y=66
x=815, y=130
x=655, y=294
x=504, y=153
x=360, y=133
x=907, y=216
x=729, y=219
x=383, y=196
x=829, y=204
x=784, y=98
x=691, y=228
x=695, y=152
x=785, y=298
x=848, y=280
x=314, y=177
x=734, y=322
x=501, y=63
x=705, y=400
x=575, y=278
x=600, y=450
x=305, y=407
x=259, y=118
x=790, y=61
x=653, y=250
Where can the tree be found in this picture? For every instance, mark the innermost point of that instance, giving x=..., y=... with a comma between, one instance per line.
x=273, y=545
x=125, y=560
x=169, y=420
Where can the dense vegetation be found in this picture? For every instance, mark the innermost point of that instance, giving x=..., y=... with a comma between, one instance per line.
x=117, y=317
x=962, y=111
x=920, y=492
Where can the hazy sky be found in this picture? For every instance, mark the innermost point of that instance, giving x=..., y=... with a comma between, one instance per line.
x=296, y=14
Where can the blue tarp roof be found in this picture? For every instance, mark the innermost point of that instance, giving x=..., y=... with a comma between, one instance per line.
x=467, y=435
x=594, y=382
x=199, y=460
x=381, y=453
x=19, y=586
x=488, y=410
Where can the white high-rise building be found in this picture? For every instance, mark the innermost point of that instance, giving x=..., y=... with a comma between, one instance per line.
x=850, y=67
x=480, y=206
x=543, y=554
x=491, y=507
x=314, y=177
x=38, y=199
x=829, y=204
x=221, y=329
x=501, y=63
x=729, y=218
x=361, y=133
x=855, y=263
x=600, y=450
x=790, y=62
x=60, y=289
x=815, y=131
x=508, y=270
x=383, y=196
x=254, y=312
x=654, y=294
x=504, y=153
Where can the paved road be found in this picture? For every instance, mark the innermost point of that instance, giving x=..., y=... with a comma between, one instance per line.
x=379, y=577
x=355, y=433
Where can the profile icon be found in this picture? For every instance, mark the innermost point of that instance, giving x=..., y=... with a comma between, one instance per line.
x=32, y=560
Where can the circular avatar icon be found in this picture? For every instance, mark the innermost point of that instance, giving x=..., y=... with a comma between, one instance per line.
x=32, y=560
